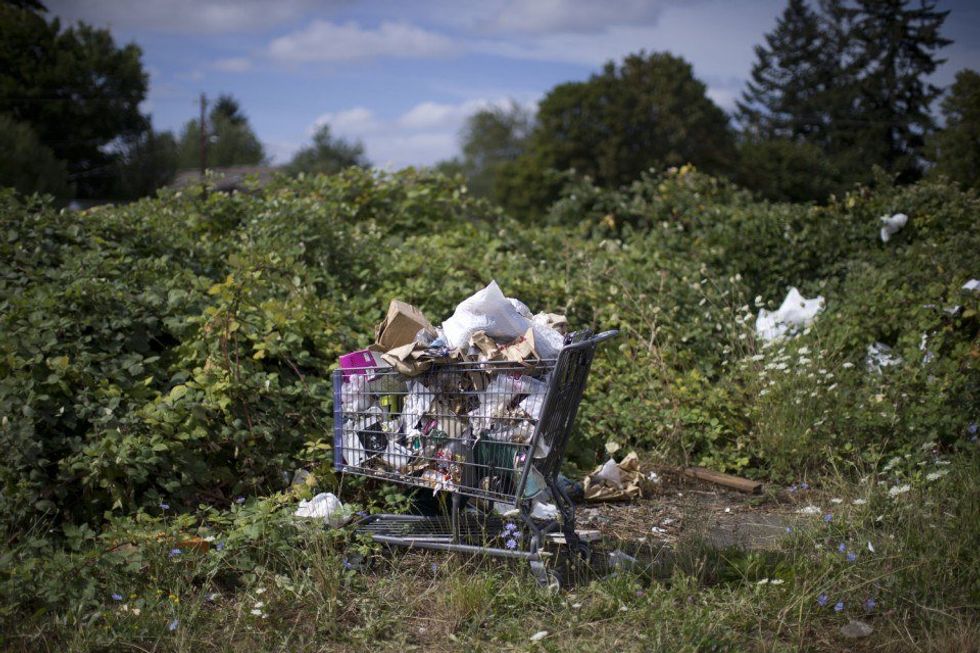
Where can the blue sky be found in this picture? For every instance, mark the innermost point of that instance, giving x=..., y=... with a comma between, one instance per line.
x=402, y=76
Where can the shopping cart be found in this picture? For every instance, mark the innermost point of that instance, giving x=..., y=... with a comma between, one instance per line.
x=491, y=435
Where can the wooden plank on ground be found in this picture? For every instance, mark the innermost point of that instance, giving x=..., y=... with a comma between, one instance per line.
x=726, y=480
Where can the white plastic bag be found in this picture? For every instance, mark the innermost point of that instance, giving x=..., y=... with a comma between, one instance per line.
x=354, y=452
x=547, y=341
x=324, y=506
x=544, y=511
x=396, y=456
x=489, y=311
x=880, y=356
x=417, y=403
x=354, y=395
x=794, y=313
x=891, y=225
x=610, y=474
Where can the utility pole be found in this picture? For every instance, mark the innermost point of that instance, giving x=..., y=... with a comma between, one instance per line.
x=204, y=137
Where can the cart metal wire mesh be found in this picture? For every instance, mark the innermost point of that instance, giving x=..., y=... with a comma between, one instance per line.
x=486, y=431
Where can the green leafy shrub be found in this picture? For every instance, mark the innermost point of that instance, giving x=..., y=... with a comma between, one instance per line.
x=179, y=349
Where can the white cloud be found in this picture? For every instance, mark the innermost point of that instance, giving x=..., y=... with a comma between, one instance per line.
x=425, y=134
x=355, y=121
x=195, y=16
x=551, y=16
x=432, y=115
x=233, y=65
x=326, y=41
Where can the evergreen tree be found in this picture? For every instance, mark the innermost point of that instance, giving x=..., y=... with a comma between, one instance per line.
x=956, y=148
x=896, y=46
x=788, y=80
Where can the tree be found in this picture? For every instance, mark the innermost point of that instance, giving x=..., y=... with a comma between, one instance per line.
x=27, y=165
x=75, y=88
x=786, y=170
x=786, y=95
x=648, y=112
x=146, y=163
x=231, y=141
x=850, y=78
x=490, y=139
x=327, y=155
x=956, y=148
x=895, y=52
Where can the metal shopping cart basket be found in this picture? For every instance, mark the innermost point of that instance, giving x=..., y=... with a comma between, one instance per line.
x=492, y=435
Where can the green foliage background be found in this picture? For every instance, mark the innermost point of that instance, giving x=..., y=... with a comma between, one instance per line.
x=180, y=348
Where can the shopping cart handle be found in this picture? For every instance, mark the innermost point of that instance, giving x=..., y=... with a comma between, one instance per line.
x=605, y=335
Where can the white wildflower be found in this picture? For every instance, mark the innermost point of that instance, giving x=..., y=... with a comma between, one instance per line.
x=896, y=490
x=935, y=476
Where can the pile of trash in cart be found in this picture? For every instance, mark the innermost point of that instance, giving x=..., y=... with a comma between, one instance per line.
x=401, y=418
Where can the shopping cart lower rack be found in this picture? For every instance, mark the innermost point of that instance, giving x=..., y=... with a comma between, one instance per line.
x=493, y=433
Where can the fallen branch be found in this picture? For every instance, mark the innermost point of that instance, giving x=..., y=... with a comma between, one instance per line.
x=727, y=480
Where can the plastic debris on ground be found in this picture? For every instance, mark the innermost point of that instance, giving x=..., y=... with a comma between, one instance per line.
x=401, y=420
x=879, y=357
x=614, y=481
x=324, y=506
x=972, y=286
x=891, y=225
x=794, y=314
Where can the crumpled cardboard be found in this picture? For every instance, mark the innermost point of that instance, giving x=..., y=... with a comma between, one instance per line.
x=521, y=349
x=400, y=326
x=632, y=484
x=409, y=359
x=553, y=321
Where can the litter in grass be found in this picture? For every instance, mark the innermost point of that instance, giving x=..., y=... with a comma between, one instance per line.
x=794, y=314
x=891, y=225
x=325, y=506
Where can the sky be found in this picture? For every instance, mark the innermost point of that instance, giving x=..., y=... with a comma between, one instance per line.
x=402, y=77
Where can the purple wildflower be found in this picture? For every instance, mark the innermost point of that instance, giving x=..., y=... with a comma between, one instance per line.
x=511, y=544
x=804, y=485
x=842, y=547
x=851, y=557
x=870, y=604
x=789, y=530
x=220, y=546
x=172, y=626
x=792, y=488
x=839, y=606
x=239, y=500
x=117, y=597
x=175, y=552
x=828, y=518
x=164, y=506
x=822, y=600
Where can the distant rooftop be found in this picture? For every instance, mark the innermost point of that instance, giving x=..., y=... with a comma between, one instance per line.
x=228, y=179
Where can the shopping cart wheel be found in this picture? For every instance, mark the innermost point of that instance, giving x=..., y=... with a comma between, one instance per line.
x=547, y=578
